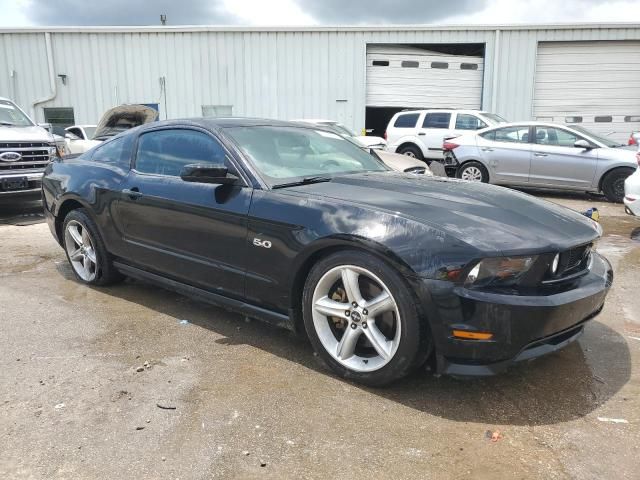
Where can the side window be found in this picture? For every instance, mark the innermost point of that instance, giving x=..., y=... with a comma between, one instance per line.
x=77, y=132
x=469, y=122
x=166, y=152
x=115, y=152
x=555, y=136
x=509, y=134
x=436, y=120
x=408, y=120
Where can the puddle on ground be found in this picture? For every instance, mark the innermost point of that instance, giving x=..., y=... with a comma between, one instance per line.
x=635, y=234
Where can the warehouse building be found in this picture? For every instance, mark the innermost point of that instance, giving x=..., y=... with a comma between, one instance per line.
x=585, y=73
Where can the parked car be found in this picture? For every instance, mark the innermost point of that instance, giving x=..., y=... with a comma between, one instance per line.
x=25, y=150
x=546, y=155
x=420, y=133
x=368, y=141
x=81, y=138
x=381, y=269
x=632, y=190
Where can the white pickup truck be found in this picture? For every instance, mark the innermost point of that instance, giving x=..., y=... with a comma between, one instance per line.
x=26, y=148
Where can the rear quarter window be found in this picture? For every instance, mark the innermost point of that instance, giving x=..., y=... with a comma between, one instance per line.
x=116, y=152
x=408, y=120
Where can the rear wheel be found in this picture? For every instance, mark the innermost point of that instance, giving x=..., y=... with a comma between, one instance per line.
x=613, y=184
x=86, y=251
x=361, y=318
x=411, y=151
x=473, y=172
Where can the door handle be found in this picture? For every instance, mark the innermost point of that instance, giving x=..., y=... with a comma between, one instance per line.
x=487, y=149
x=133, y=193
x=421, y=133
x=538, y=154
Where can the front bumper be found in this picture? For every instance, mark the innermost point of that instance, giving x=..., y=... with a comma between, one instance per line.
x=523, y=327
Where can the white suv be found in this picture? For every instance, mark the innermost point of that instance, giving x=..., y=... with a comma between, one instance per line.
x=420, y=133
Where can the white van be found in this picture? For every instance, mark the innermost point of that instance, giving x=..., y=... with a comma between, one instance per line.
x=420, y=133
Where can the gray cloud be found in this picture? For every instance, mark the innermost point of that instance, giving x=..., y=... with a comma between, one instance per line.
x=388, y=11
x=128, y=12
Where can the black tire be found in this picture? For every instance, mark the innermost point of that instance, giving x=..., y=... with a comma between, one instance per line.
x=412, y=336
x=467, y=167
x=105, y=272
x=613, y=184
x=411, y=151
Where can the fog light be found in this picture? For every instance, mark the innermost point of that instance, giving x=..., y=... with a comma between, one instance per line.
x=467, y=335
x=555, y=263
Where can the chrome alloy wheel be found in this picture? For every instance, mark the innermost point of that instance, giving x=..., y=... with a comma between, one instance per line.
x=356, y=318
x=473, y=174
x=82, y=255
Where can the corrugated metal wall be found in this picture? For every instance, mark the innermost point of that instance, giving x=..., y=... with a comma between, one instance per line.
x=285, y=73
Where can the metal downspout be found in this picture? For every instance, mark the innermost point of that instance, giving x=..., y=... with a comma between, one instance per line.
x=494, y=80
x=52, y=77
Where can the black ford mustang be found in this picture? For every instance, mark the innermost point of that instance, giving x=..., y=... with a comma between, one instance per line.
x=298, y=226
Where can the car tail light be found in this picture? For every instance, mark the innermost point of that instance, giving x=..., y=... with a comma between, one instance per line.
x=385, y=135
x=449, y=145
x=632, y=140
x=638, y=158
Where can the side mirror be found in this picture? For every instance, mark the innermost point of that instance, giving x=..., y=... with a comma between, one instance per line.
x=208, y=173
x=47, y=126
x=582, y=144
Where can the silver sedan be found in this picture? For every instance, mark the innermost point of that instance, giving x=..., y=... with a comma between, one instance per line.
x=538, y=154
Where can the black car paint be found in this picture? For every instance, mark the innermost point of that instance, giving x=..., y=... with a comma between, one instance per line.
x=203, y=236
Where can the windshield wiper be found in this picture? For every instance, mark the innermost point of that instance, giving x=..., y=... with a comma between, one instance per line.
x=3, y=122
x=304, y=181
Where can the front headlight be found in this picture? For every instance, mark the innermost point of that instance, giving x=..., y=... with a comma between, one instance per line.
x=498, y=271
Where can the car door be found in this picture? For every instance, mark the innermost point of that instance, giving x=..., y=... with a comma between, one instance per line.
x=192, y=232
x=435, y=127
x=506, y=152
x=556, y=162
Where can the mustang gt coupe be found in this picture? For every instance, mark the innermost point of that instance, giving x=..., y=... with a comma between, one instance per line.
x=295, y=225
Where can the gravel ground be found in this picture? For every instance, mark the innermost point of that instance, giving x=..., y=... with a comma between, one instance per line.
x=217, y=396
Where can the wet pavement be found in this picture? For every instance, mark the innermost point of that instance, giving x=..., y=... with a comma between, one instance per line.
x=221, y=397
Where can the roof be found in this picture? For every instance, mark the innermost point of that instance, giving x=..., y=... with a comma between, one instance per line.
x=328, y=28
x=224, y=122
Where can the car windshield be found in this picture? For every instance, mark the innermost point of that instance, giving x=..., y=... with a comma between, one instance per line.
x=90, y=132
x=598, y=138
x=284, y=155
x=12, y=115
x=494, y=117
x=339, y=129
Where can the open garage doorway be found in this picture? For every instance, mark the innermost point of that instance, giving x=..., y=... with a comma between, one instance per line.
x=414, y=76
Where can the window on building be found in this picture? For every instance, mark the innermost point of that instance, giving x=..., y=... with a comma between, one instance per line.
x=442, y=65
x=380, y=63
x=410, y=64
x=469, y=122
x=632, y=118
x=573, y=120
x=115, y=152
x=603, y=119
x=59, y=118
x=166, y=152
x=408, y=120
x=468, y=66
x=518, y=134
x=217, y=110
x=436, y=120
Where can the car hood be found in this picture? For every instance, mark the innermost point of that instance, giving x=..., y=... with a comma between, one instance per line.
x=369, y=141
x=124, y=117
x=24, y=134
x=400, y=163
x=488, y=217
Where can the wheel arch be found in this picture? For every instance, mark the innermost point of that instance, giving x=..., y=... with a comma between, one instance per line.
x=477, y=160
x=610, y=170
x=321, y=249
x=64, y=208
x=410, y=143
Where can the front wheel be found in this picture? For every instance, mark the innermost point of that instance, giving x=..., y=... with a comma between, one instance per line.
x=613, y=184
x=361, y=318
x=411, y=151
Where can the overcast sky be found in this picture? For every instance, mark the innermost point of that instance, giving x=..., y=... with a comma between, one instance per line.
x=311, y=12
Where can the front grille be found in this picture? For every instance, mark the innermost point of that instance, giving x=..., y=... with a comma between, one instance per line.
x=35, y=156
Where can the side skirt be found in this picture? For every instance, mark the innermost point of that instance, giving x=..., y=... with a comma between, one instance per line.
x=274, y=318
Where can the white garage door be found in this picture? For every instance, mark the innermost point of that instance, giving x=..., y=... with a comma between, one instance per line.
x=400, y=76
x=593, y=84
